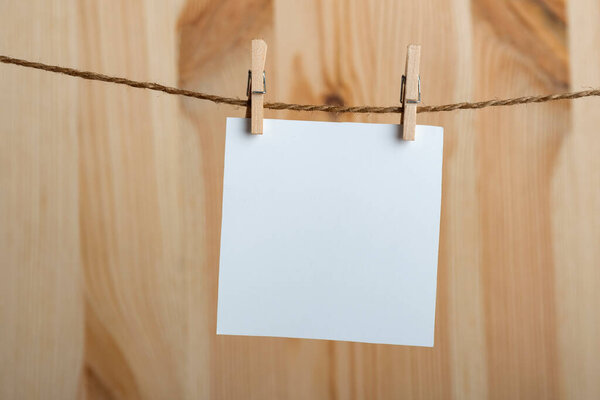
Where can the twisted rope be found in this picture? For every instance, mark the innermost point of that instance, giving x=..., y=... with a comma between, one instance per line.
x=94, y=76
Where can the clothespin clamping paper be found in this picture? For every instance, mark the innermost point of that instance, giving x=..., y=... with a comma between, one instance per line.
x=410, y=92
x=257, y=85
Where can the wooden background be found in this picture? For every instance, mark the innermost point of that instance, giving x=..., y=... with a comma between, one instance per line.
x=110, y=196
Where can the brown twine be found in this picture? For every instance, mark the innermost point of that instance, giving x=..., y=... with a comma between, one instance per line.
x=292, y=106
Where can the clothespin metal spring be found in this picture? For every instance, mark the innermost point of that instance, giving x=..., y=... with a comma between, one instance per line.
x=403, y=91
x=249, y=90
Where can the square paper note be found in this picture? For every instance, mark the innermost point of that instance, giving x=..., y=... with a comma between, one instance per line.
x=330, y=231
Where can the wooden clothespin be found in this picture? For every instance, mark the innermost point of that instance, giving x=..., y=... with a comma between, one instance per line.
x=257, y=85
x=410, y=94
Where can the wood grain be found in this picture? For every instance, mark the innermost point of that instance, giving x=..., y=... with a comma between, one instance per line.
x=110, y=197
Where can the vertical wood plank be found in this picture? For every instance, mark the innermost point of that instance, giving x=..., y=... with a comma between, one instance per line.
x=137, y=294
x=460, y=269
x=516, y=151
x=41, y=310
x=576, y=226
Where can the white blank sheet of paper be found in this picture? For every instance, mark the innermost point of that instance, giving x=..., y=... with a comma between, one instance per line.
x=330, y=231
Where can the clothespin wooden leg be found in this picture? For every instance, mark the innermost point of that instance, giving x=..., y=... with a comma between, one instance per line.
x=411, y=92
x=257, y=85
